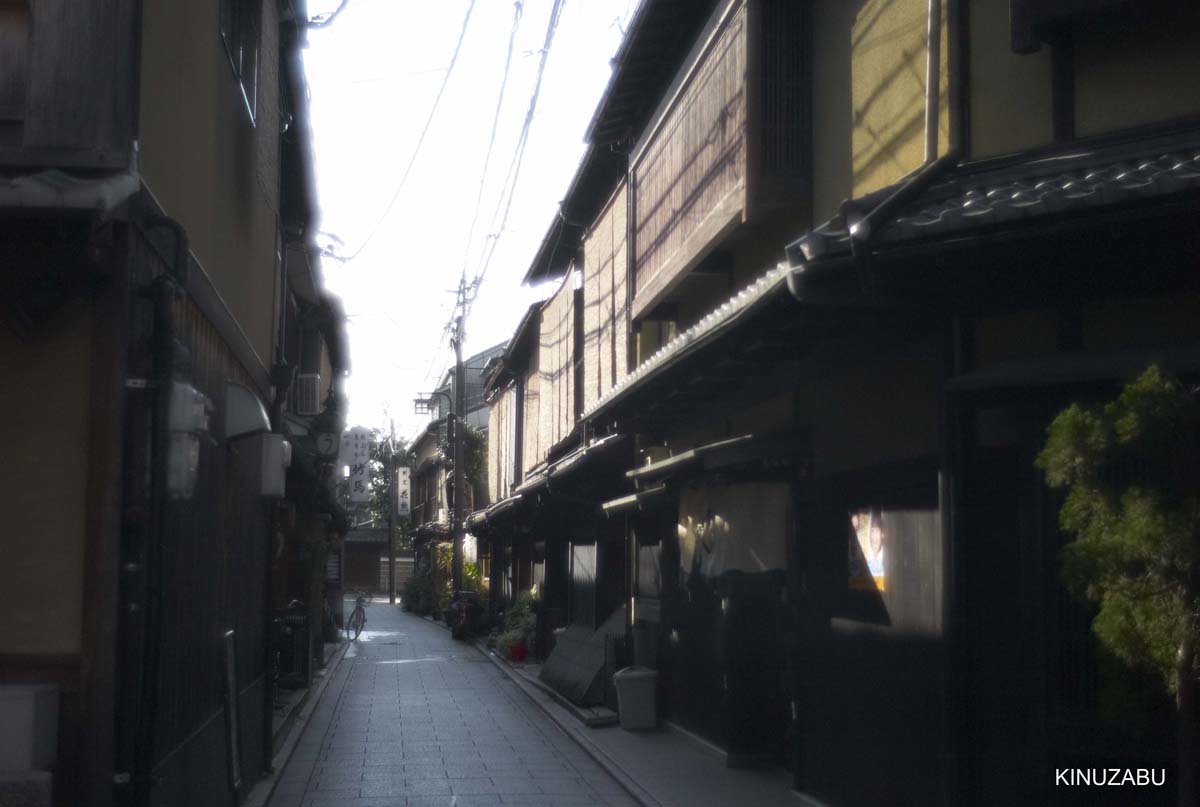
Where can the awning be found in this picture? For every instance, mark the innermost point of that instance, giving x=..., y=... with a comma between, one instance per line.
x=574, y=461
x=656, y=470
x=366, y=536
x=747, y=448
x=58, y=190
x=770, y=285
x=534, y=481
x=481, y=519
x=1074, y=368
x=432, y=529
x=565, y=466
x=634, y=501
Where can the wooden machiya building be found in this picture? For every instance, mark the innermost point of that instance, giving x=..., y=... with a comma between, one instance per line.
x=824, y=309
x=156, y=300
x=433, y=475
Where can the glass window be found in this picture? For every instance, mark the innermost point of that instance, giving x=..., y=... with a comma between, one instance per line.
x=240, y=34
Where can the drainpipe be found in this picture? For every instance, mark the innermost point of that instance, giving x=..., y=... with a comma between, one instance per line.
x=168, y=357
x=283, y=375
x=933, y=78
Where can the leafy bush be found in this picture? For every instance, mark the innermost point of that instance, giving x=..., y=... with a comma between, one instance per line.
x=1131, y=471
x=444, y=590
x=418, y=594
x=520, y=622
x=473, y=581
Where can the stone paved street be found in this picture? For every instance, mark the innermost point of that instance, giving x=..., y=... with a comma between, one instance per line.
x=412, y=717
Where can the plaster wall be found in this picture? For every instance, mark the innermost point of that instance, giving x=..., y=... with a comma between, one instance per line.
x=43, y=480
x=206, y=163
x=1136, y=73
x=888, y=64
x=868, y=411
x=1011, y=107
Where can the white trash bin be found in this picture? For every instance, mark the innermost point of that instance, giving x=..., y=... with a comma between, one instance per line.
x=636, y=705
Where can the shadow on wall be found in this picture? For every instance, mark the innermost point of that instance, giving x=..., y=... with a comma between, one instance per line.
x=888, y=63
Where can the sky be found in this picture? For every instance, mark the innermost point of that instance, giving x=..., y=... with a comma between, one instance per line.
x=374, y=75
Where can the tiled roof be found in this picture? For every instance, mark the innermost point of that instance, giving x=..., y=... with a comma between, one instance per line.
x=979, y=204
x=713, y=322
x=974, y=196
x=1072, y=181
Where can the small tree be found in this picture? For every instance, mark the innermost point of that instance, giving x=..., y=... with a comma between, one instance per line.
x=1133, y=507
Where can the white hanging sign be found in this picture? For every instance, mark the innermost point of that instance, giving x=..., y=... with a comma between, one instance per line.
x=359, y=456
x=403, y=493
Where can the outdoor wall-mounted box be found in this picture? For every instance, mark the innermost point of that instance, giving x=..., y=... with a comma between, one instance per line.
x=274, y=455
x=307, y=394
x=29, y=715
x=188, y=423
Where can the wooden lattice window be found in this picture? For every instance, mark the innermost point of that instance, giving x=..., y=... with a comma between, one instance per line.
x=14, y=58
x=1034, y=20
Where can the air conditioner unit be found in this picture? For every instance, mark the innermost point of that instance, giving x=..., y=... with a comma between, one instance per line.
x=307, y=395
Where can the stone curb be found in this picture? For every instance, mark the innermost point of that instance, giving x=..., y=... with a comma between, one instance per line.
x=264, y=788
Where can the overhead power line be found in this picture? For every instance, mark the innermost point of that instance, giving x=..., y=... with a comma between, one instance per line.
x=416, y=151
x=514, y=169
x=467, y=291
x=487, y=159
x=325, y=20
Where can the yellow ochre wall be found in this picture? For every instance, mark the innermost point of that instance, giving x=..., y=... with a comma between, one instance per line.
x=888, y=53
x=43, y=481
x=869, y=61
x=207, y=166
x=1011, y=103
x=1129, y=72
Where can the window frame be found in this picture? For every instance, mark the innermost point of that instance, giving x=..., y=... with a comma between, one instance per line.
x=239, y=24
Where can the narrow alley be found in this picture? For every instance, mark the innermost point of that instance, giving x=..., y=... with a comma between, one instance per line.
x=788, y=403
x=413, y=717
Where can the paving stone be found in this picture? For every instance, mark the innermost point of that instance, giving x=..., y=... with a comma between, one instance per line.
x=450, y=731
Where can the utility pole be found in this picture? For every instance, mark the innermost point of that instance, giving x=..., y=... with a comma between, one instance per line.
x=458, y=423
x=391, y=511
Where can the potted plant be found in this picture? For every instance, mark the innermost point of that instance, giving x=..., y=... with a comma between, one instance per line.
x=519, y=625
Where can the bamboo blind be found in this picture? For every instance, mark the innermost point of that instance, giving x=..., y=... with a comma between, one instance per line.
x=500, y=448
x=556, y=360
x=605, y=305
x=696, y=162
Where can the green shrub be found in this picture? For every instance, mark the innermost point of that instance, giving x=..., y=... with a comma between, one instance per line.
x=418, y=594
x=473, y=581
x=443, y=557
x=520, y=622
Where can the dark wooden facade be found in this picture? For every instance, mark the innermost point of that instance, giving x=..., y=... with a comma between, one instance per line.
x=147, y=586
x=76, y=112
x=895, y=631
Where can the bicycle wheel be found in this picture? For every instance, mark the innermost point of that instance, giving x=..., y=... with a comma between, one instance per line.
x=355, y=623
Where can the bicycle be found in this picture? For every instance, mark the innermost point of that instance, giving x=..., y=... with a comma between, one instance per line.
x=358, y=617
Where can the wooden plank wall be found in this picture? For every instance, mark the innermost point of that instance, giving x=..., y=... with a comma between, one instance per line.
x=689, y=181
x=605, y=305
x=80, y=76
x=214, y=561
x=15, y=39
